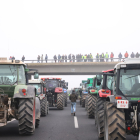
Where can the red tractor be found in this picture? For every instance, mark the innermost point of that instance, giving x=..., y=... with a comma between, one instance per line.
x=102, y=95
x=54, y=91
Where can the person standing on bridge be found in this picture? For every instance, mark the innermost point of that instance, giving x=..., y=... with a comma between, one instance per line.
x=42, y=58
x=55, y=58
x=137, y=55
x=23, y=58
x=106, y=56
x=97, y=57
x=65, y=58
x=73, y=98
x=85, y=58
x=120, y=56
x=126, y=55
x=73, y=57
x=46, y=58
x=69, y=57
x=111, y=56
x=132, y=55
x=38, y=58
x=59, y=57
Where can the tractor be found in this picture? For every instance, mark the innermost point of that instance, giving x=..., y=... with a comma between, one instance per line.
x=18, y=99
x=54, y=91
x=39, y=85
x=122, y=107
x=92, y=95
x=103, y=93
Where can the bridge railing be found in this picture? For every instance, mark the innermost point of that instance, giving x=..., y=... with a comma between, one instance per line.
x=75, y=60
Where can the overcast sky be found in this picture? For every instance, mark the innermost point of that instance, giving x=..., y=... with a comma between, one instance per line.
x=35, y=27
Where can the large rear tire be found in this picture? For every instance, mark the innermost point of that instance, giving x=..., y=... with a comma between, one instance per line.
x=47, y=107
x=99, y=106
x=60, y=101
x=83, y=102
x=65, y=99
x=100, y=124
x=26, y=118
x=86, y=102
x=43, y=104
x=37, y=122
x=114, y=123
x=91, y=106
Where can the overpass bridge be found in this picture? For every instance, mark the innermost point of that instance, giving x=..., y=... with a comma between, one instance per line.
x=71, y=68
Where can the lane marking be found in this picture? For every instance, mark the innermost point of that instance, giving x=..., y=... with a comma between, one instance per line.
x=11, y=120
x=139, y=136
x=76, y=122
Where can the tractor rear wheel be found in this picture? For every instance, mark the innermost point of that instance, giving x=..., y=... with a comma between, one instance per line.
x=60, y=101
x=86, y=102
x=114, y=123
x=37, y=122
x=47, y=107
x=83, y=102
x=91, y=106
x=99, y=106
x=65, y=100
x=26, y=118
x=100, y=124
x=43, y=104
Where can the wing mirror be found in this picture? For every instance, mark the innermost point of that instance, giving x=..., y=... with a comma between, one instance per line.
x=36, y=75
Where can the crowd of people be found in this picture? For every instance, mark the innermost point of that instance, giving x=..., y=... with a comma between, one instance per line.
x=83, y=58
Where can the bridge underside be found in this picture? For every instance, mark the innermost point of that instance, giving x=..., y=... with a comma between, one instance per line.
x=71, y=68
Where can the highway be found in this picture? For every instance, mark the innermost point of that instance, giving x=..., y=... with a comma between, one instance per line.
x=58, y=125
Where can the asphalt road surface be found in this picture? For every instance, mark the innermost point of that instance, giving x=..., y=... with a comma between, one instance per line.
x=58, y=125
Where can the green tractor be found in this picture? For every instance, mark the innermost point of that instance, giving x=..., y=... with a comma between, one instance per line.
x=83, y=93
x=39, y=85
x=93, y=88
x=18, y=99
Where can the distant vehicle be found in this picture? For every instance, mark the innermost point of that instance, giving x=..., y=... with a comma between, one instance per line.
x=55, y=93
x=39, y=85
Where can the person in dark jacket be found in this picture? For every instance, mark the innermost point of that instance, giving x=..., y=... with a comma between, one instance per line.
x=137, y=55
x=73, y=57
x=38, y=58
x=73, y=98
x=23, y=58
x=46, y=58
x=59, y=57
x=70, y=57
x=132, y=55
x=65, y=58
x=97, y=57
x=55, y=58
x=120, y=56
x=13, y=58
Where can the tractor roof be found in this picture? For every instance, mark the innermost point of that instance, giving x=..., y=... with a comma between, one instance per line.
x=111, y=70
x=127, y=61
x=3, y=60
x=34, y=81
x=51, y=78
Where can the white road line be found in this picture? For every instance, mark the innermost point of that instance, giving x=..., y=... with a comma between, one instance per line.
x=139, y=136
x=76, y=122
x=11, y=120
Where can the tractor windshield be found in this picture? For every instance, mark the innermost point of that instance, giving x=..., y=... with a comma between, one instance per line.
x=50, y=84
x=109, y=82
x=37, y=86
x=130, y=82
x=12, y=74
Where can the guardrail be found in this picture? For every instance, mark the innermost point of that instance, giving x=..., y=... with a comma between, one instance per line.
x=75, y=60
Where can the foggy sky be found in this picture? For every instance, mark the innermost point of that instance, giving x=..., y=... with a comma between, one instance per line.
x=35, y=27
